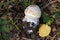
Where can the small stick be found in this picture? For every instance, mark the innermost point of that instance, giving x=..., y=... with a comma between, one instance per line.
x=48, y=4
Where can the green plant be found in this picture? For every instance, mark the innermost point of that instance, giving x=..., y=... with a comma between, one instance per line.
x=56, y=15
x=4, y=25
x=26, y=3
x=4, y=36
x=5, y=4
x=4, y=28
x=47, y=19
x=1, y=4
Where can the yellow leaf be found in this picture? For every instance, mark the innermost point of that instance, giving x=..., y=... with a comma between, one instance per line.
x=44, y=30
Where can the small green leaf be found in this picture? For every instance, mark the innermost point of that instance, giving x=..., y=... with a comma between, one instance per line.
x=2, y=22
x=26, y=3
x=1, y=3
x=57, y=9
x=0, y=29
x=6, y=28
x=47, y=19
x=56, y=15
x=0, y=37
x=4, y=36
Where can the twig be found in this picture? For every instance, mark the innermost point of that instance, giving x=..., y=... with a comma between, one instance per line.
x=14, y=23
x=55, y=36
x=47, y=37
x=48, y=4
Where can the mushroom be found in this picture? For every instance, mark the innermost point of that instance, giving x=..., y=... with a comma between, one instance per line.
x=32, y=14
x=44, y=30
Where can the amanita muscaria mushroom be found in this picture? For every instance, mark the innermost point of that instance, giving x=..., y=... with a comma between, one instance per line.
x=44, y=30
x=32, y=14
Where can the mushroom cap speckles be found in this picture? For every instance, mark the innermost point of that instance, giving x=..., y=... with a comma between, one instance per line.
x=44, y=30
x=33, y=11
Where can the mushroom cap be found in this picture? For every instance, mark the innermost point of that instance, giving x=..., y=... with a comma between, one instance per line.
x=44, y=30
x=33, y=11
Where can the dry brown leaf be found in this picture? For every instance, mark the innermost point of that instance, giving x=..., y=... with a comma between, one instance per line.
x=57, y=0
x=54, y=29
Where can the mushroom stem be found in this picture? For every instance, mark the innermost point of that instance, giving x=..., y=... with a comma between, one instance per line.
x=32, y=20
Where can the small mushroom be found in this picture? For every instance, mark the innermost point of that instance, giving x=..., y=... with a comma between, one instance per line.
x=32, y=14
x=44, y=30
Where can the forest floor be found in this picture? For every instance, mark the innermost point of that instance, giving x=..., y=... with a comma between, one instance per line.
x=12, y=14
